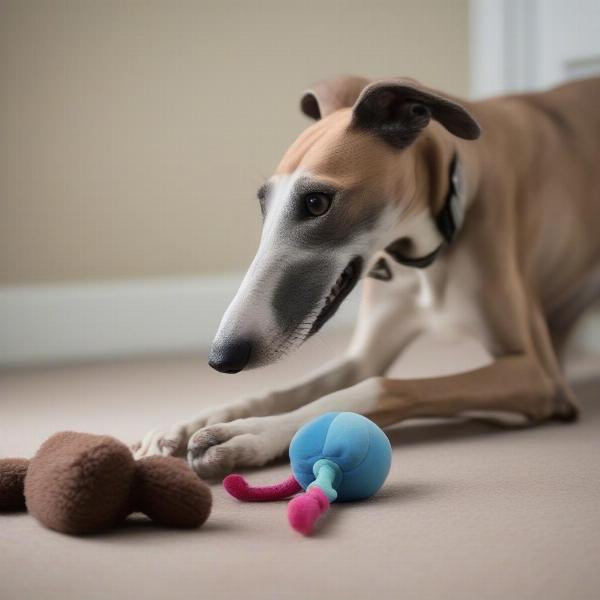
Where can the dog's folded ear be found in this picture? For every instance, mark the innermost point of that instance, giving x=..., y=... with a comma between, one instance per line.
x=330, y=95
x=398, y=110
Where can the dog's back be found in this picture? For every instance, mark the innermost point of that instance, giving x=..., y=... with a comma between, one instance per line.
x=575, y=107
x=544, y=150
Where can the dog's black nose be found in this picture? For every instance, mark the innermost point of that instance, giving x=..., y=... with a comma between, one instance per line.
x=230, y=357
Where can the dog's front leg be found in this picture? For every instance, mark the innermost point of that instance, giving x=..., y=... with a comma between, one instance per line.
x=358, y=364
x=515, y=384
x=371, y=351
x=217, y=449
x=340, y=373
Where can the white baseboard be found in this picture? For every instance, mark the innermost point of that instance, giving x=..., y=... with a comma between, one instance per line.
x=58, y=323
x=75, y=322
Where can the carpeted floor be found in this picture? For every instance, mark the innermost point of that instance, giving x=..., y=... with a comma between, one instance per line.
x=469, y=510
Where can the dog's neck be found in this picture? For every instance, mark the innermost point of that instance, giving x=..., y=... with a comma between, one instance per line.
x=448, y=221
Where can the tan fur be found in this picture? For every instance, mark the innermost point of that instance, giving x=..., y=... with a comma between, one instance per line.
x=521, y=270
x=330, y=151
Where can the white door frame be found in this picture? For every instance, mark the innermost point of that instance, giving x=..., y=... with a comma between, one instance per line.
x=502, y=46
x=518, y=45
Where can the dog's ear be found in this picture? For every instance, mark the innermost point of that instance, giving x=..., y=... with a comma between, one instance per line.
x=330, y=95
x=398, y=110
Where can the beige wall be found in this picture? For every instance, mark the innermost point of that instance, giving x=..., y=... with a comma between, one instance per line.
x=133, y=135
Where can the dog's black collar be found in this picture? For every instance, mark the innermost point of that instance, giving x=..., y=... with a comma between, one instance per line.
x=418, y=263
x=452, y=214
x=448, y=222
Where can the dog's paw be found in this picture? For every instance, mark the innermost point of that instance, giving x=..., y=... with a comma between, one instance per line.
x=216, y=450
x=566, y=413
x=159, y=442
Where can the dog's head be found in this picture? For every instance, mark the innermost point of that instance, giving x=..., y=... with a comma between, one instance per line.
x=353, y=182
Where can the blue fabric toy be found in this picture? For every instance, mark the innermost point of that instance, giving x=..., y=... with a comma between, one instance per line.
x=337, y=456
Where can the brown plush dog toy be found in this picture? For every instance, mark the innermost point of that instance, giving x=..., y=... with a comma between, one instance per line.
x=82, y=483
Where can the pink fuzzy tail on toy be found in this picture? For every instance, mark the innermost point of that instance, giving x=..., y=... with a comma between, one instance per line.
x=304, y=510
x=239, y=488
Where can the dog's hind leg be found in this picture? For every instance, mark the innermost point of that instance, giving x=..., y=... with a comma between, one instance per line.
x=563, y=317
x=565, y=405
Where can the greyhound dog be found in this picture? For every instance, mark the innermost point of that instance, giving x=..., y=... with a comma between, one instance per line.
x=474, y=217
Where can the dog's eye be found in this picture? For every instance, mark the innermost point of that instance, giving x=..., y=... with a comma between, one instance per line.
x=317, y=203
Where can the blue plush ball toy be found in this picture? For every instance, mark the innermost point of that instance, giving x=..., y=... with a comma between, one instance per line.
x=343, y=453
x=337, y=456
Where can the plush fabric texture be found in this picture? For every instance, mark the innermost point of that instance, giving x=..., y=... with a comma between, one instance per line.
x=238, y=487
x=12, y=481
x=80, y=483
x=305, y=510
x=170, y=493
x=354, y=443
